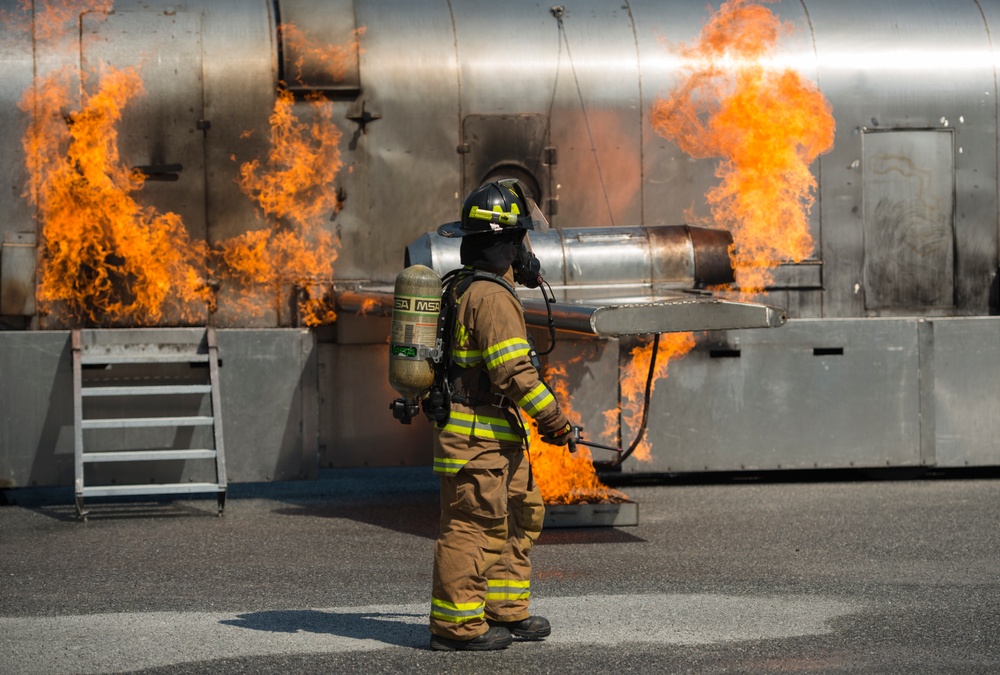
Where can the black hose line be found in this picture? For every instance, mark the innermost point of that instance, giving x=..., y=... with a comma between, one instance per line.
x=645, y=406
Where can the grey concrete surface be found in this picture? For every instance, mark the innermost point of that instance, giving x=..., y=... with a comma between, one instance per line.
x=828, y=574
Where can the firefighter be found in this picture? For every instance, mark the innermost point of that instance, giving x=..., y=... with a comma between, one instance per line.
x=491, y=509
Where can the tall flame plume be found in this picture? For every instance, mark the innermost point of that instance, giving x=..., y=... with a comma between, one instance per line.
x=294, y=188
x=107, y=258
x=765, y=124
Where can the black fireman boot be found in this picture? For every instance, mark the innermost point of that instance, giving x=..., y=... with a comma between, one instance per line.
x=494, y=638
x=532, y=628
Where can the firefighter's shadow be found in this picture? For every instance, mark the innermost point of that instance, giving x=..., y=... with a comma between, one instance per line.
x=417, y=517
x=399, y=629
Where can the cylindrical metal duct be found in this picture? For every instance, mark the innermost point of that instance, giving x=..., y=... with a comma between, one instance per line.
x=666, y=257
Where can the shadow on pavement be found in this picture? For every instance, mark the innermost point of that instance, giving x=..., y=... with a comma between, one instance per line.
x=404, y=630
x=419, y=518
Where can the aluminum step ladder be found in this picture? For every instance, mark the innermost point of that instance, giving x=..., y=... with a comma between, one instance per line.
x=148, y=350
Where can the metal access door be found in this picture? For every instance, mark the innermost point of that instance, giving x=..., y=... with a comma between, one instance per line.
x=507, y=146
x=909, y=219
x=162, y=129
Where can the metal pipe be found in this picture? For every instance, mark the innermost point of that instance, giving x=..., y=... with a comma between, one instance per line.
x=662, y=257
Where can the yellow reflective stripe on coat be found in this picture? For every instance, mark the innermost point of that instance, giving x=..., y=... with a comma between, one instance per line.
x=505, y=351
x=449, y=466
x=508, y=589
x=481, y=426
x=466, y=358
x=460, y=354
x=536, y=399
x=457, y=613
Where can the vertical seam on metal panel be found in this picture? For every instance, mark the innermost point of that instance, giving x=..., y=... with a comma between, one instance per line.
x=279, y=44
x=458, y=80
x=819, y=160
x=641, y=110
x=996, y=118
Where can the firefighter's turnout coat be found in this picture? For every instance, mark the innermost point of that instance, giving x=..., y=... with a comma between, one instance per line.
x=491, y=511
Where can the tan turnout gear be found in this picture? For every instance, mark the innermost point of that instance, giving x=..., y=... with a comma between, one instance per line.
x=491, y=510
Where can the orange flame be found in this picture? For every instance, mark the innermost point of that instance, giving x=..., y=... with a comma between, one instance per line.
x=334, y=59
x=672, y=346
x=107, y=259
x=766, y=124
x=294, y=189
x=564, y=477
x=53, y=17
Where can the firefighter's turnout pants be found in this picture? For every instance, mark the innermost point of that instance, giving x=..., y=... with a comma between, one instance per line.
x=489, y=521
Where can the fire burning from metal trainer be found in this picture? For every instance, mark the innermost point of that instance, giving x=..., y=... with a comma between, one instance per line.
x=107, y=260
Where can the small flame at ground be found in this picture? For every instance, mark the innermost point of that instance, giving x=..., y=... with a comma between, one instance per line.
x=767, y=125
x=564, y=477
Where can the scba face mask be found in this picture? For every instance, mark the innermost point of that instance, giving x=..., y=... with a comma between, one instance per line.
x=527, y=266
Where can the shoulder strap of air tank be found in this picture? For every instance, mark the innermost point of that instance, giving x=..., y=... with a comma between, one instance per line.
x=480, y=275
x=446, y=321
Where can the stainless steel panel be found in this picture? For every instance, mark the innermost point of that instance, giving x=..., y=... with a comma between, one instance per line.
x=588, y=77
x=161, y=128
x=814, y=394
x=966, y=391
x=267, y=380
x=18, y=267
x=929, y=67
x=402, y=174
x=239, y=39
x=36, y=404
x=909, y=219
x=806, y=275
x=17, y=70
x=506, y=146
x=356, y=427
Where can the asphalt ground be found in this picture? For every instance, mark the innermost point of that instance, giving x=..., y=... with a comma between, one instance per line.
x=799, y=574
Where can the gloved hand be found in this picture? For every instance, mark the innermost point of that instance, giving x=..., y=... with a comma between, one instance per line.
x=563, y=436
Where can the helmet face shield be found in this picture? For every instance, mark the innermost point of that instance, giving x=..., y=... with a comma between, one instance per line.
x=535, y=220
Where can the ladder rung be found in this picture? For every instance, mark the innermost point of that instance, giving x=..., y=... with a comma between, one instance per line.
x=147, y=455
x=161, y=489
x=89, y=359
x=143, y=422
x=166, y=389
